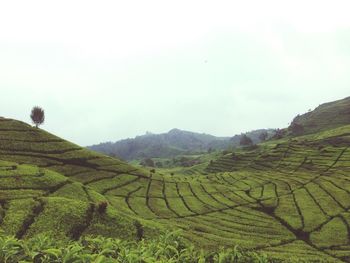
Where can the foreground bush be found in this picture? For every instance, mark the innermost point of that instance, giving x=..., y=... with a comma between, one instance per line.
x=169, y=247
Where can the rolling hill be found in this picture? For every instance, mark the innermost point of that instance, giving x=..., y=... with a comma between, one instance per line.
x=326, y=116
x=171, y=144
x=288, y=198
x=45, y=186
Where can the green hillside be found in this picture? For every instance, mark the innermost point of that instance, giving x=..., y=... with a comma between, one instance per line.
x=166, y=145
x=305, y=185
x=45, y=186
x=326, y=116
x=287, y=198
x=171, y=144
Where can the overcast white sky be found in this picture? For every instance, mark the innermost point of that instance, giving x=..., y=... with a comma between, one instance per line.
x=107, y=70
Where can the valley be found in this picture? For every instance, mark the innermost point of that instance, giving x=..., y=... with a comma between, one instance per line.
x=285, y=198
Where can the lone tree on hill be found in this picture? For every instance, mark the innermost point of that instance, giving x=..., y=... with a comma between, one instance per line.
x=38, y=116
x=263, y=136
x=245, y=140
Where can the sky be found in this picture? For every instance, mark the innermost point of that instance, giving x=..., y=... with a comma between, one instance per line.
x=108, y=70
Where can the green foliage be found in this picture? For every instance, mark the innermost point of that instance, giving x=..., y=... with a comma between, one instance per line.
x=263, y=136
x=245, y=140
x=168, y=247
x=147, y=162
x=169, y=145
x=37, y=115
x=17, y=212
x=326, y=116
x=279, y=133
x=284, y=198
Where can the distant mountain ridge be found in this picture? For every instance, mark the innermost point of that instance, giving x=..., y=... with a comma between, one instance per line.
x=170, y=144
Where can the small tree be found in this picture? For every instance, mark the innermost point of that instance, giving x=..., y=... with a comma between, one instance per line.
x=278, y=134
x=263, y=136
x=38, y=116
x=245, y=140
x=147, y=162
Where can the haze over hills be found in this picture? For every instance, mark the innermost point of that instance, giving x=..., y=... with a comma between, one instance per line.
x=173, y=143
x=247, y=158
x=284, y=197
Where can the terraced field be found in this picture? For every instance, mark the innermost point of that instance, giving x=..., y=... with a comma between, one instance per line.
x=291, y=198
x=286, y=198
x=326, y=116
x=44, y=186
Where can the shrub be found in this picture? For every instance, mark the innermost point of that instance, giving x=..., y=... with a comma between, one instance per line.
x=159, y=164
x=139, y=230
x=168, y=247
x=263, y=136
x=147, y=162
x=245, y=140
x=278, y=134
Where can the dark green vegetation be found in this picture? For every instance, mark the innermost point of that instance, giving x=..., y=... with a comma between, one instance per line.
x=326, y=116
x=38, y=116
x=302, y=183
x=175, y=143
x=284, y=198
x=166, y=248
x=45, y=186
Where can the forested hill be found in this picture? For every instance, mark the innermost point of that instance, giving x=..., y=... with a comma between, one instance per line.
x=170, y=144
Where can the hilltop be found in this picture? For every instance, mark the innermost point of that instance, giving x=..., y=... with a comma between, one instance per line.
x=171, y=144
x=326, y=116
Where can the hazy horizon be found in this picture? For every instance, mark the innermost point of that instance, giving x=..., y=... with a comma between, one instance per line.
x=110, y=70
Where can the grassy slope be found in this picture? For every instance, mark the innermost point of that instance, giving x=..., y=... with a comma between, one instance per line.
x=303, y=183
x=326, y=116
x=53, y=193
x=286, y=198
